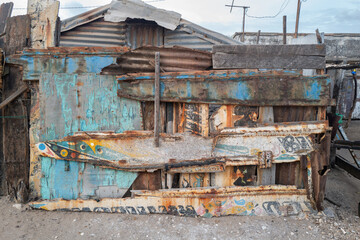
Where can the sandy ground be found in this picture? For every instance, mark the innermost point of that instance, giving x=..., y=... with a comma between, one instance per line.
x=341, y=223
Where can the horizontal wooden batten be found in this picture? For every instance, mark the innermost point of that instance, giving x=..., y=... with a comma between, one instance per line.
x=269, y=56
x=257, y=88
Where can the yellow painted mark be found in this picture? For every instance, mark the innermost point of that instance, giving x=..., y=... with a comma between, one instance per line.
x=64, y=153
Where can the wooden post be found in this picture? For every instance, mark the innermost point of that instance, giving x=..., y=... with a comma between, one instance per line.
x=258, y=37
x=318, y=36
x=284, y=29
x=297, y=18
x=157, y=100
x=243, y=26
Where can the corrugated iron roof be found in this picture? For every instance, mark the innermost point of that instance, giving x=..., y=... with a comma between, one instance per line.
x=136, y=9
x=185, y=33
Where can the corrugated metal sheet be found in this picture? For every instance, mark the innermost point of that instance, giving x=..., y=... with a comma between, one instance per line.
x=96, y=33
x=190, y=35
x=120, y=11
x=144, y=33
x=84, y=18
x=90, y=29
x=176, y=59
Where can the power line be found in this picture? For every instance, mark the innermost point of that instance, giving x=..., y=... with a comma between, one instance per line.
x=89, y=6
x=282, y=8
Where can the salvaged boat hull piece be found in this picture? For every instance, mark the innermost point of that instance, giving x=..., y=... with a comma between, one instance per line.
x=252, y=201
x=134, y=150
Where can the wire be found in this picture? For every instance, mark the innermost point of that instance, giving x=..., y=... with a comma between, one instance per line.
x=90, y=6
x=282, y=8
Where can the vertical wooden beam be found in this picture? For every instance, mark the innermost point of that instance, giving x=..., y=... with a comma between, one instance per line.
x=157, y=100
x=284, y=29
x=258, y=37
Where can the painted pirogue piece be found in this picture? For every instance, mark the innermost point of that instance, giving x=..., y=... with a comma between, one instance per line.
x=134, y=150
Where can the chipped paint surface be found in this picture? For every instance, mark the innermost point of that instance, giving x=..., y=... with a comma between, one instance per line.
x=85, y=103
x=252, y=201
x=71, y=60
x=266, y=88
x=134, y=151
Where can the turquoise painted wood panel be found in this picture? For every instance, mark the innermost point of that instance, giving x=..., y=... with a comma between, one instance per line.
x=70, y=103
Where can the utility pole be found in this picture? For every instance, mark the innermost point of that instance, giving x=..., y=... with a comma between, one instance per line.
x=297, y=18
x=243, y=23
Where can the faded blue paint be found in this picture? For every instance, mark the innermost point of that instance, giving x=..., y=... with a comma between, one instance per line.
x=94, y=64
x=35, y=64
x=242, y=92
x=313, y=91
x=188, y=89
x=86, y=102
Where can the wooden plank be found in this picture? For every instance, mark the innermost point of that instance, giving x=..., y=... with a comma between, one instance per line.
x=13, y=96
x=5, y=13
x=157, y=100
x=263, y=88
x=269, y=56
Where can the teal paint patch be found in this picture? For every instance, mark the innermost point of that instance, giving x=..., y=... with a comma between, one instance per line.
x=230, y=149
x=313, y=91
x=285, y=157
x=65, y=179
x=46, y=181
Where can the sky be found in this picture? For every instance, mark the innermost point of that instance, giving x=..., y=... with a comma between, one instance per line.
x=329, y=16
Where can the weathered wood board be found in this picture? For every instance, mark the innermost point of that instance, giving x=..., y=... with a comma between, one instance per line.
x=5, y=12
x=269, y=56
x=85, y=102
x=258, y=88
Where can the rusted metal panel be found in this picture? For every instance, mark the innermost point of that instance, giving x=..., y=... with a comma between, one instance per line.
x=267, y=88
x=95, y=33
x=172, y=59
x=210, y=202
x=65, y=60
